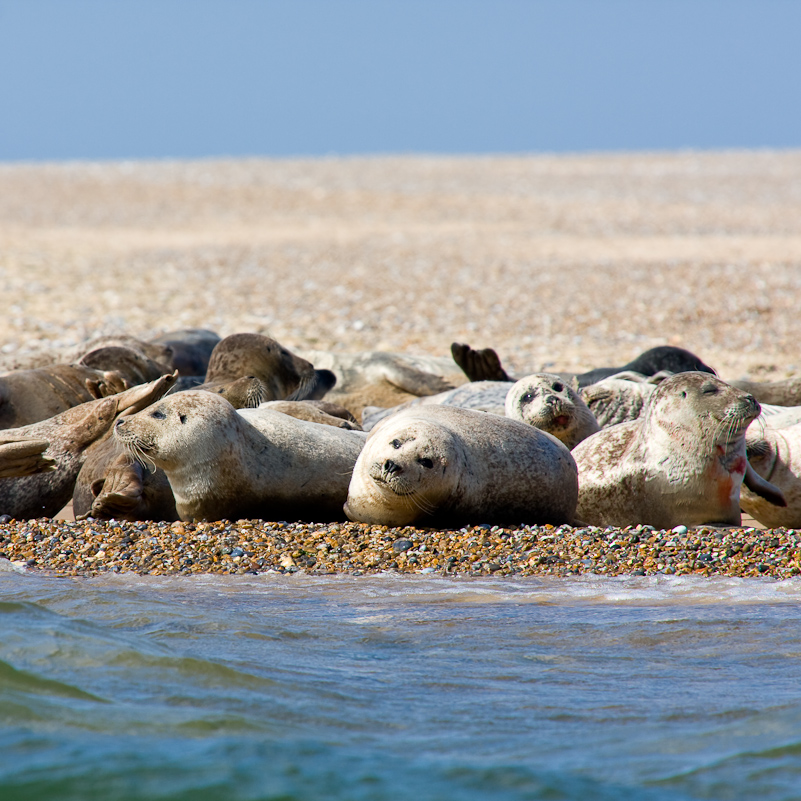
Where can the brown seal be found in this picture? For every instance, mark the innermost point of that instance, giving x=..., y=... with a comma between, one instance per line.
x=286, y=376
x=380, y=378
x=224, y=463
x=69, y=435
x=30, y=396
x=310, y=411
x=682, y=462
x=447, y=466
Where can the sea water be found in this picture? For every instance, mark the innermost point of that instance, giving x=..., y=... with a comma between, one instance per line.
x=399, y=687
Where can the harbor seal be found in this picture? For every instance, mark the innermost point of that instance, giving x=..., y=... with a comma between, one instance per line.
x=446, y=466
x=68, y=435
x=542, y=400
x=380, y=378
x=774, y=452
x=485, y=365
x=223, y=463
x=286, y=376
x=190, y=349
x=30, y=396
x=683, y=461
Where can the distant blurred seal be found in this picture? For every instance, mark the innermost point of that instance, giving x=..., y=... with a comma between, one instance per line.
x=223, y=463
x=379, y=378
x=190, y=349
x=446, y=466
x=485, y=365
x=68, y=436
x=285, y=375
x=683, y=461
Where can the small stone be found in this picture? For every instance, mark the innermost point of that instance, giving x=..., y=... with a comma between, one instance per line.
x=399, y=546
x=679, y=530
x=428, y=570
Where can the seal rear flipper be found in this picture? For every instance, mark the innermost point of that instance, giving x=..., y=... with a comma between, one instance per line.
x=414, y=381
x=479, y=365
x=771, y=493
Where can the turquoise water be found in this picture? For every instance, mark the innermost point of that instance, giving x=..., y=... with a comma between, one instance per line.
x=390, y=687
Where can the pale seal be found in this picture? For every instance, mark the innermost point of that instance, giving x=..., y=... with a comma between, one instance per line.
x=446, y=466
x=68, y=435
x=682, y=462
x=223, y=463
x=542, y=400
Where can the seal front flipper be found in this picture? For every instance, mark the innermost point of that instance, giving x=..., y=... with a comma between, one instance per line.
x=24, y=457
x=764, y=489
x=479, y=365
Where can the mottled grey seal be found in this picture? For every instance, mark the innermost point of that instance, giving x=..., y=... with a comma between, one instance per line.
x=542, y=400
x=69, y=435
x=683, y=461
x=446, y=466
x=224, y=463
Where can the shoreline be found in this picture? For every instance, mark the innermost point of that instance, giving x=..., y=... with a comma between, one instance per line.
x=90, y=548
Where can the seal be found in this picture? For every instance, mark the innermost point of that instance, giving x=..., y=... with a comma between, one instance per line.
x=620, y=398
x=485, y=365
x=545, y=401
x=542, y=400
x=380, y=378
x=69, y=435
x=683, y=461
x=446, y=466
x=190, y=349
x=286, y=376
x=134, y=367
x=786, y=392
x=30, y=396
x=774, y=453
x=252, y=463
x=310, y=411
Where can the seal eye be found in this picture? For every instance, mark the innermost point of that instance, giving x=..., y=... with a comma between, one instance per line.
x=182, y=417
x=709, y=389
x=396, y=443
x=426, y=462
x=528, y=397
x=158, y=415
x=558, y=387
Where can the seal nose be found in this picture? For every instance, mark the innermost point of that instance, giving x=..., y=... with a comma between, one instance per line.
x=391, y=467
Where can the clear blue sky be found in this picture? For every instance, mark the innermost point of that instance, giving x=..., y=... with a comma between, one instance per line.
x=104, y=79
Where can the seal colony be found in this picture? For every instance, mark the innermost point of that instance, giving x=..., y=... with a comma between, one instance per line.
x=261, y=434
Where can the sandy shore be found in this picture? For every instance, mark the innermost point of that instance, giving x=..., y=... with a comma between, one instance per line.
x=565, y=262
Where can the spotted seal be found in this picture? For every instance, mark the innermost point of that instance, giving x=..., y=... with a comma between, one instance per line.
x=224, y=463
x=446, y=466
x=682, y=461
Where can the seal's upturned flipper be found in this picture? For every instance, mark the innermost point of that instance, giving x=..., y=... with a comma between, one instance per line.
x=764, y=489
x=479, y=365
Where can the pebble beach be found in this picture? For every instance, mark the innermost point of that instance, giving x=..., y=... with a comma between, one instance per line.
x=558, y=262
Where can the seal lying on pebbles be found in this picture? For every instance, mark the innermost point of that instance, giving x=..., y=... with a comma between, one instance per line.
x=69, y=435
x=112, y=483
x=446, y=466
x=223, y=463
x=683, y=461
x=485, y=365
x=378, y=378
x=30, y=396
x=542, y=400
x=286, y=376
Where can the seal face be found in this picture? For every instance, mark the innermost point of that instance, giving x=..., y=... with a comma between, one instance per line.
x=545, y=401
x=442, y=465
x=683, y=461
x=223, y=463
